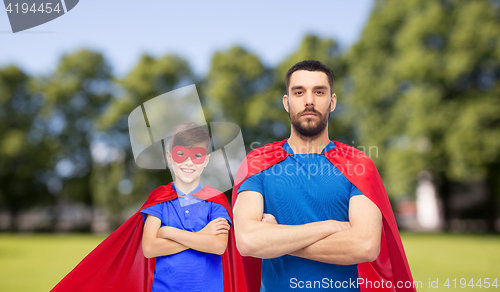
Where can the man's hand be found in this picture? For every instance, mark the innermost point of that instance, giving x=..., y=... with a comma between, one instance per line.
x=336, y=226
x=359, y=243
x=259, y=235
x=216, y=226
x=269, y=218
x=340, y=225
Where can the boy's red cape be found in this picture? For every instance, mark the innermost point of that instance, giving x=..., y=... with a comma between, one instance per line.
x=391, y=264
x=118, y=264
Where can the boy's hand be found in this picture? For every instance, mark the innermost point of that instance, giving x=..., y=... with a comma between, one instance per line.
x=269, y=218
x=216, y=226
x=164, y=232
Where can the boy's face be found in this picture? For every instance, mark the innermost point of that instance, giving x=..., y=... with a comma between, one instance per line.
x=188, y=162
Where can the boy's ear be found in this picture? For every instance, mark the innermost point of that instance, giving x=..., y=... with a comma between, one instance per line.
x=169, y=157
x=206, y=160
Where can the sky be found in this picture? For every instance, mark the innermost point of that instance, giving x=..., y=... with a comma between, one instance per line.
x=124, y=30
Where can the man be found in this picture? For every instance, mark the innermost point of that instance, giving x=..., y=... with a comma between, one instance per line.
x=301, y=204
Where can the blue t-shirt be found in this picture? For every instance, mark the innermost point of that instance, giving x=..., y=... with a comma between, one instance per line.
x=189, y=270
x=301, y=189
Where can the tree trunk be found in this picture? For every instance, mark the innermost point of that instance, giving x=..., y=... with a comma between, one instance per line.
x=493, y=185
x=444, y=189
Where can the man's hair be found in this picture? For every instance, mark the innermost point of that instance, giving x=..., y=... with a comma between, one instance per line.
x=310, y=65
x=189, y=134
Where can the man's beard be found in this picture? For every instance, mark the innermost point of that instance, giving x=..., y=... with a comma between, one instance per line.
x=307, y=128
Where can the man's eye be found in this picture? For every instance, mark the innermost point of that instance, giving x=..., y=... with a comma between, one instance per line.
x=198, y=155
x=298, y=92
x=319, y=92
x=180, y=153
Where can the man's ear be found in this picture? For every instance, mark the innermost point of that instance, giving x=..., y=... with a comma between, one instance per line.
x=333, y=104
x=169, y=157
x=206, y=160
x=285, y=102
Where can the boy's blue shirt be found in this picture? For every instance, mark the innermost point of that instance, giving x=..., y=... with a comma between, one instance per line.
x=189, y=270
x=311, y=184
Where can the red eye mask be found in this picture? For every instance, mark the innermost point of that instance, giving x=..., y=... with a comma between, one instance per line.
x=181, y=153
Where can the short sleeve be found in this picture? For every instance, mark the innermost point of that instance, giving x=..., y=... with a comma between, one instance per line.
x=155, y=210
x=354, y=191
x=217, y=211
x=253, y=183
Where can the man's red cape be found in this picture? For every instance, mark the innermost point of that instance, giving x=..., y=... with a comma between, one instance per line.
x=118, y=264
x=358, y=168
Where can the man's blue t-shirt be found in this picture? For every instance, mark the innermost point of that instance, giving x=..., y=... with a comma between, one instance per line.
x=301, y=189
x=189, y=270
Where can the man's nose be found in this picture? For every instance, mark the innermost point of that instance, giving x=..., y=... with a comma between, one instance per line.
x=309, y=99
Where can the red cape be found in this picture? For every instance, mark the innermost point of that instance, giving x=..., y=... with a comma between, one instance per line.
x=118, y=264
x=358, y=168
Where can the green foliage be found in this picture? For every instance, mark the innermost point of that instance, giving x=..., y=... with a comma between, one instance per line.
x=426, y=89
x=234, y=79
x=419, y=91
x=22, y=153
x=328, y=52
x=119, y=185
x=152, y=77
x=74, y=96
x=240, y=89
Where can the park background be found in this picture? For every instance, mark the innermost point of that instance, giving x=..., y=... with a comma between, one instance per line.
x=417, y=84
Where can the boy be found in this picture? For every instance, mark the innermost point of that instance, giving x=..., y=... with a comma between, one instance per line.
x=187, y=234
x=178, y=246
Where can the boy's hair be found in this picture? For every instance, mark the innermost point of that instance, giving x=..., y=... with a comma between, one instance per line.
x=189, y=134
x=310, y=65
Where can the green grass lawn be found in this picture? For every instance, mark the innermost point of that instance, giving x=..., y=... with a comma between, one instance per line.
x=448, y=256
x=35, y=263
x=38, y=262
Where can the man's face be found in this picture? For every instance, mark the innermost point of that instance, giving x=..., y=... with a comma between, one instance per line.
x=187, y=170
x=309, y=102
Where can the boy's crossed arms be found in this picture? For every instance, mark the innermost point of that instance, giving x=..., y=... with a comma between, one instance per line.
x=161, y=241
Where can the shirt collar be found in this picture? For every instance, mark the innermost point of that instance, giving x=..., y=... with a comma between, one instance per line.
x=288, y=149
x=180, y=193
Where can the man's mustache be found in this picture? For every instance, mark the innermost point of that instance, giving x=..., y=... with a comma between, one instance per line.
x=309, y=110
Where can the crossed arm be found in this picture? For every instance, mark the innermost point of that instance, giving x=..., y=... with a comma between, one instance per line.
x=168, y=240
x=329, y=241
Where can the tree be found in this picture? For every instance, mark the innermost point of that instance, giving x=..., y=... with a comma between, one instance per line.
x=241, y=89
x=426, y=93
x=328, y=52
x=235, y=79
x=23, y=153
x=119, y=185
x=74, y=96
